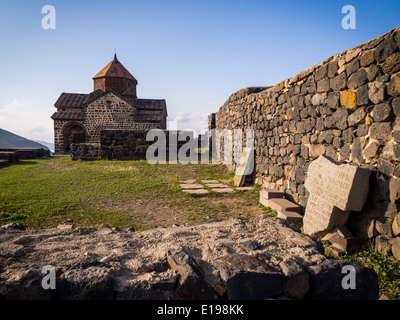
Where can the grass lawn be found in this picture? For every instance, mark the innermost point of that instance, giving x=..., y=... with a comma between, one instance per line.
x=43, y=193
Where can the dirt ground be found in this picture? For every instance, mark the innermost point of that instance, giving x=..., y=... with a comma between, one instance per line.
x=150, y=214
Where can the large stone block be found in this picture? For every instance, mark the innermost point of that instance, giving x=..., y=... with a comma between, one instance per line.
x=348, y=99
x=394, y=86
x=335, y=190
x=385, y=49
x=339, y=82
x=392, y=64
x=330, y=273
x=357, y=79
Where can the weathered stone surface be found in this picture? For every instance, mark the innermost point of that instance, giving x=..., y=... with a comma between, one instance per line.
x=271, y=193
x=245, y=167
x=396, y=248
x=381, y=112
x=356, y=151
x=386, y=167
x=339, y=82
x=222, y=190
x=373, y=72
x=351, y=54
x=335, y=189
x=332, y=68
x=396, y=225
x=195, y=191
x=367, y=58
x=381, y=131
x=392, y=64
x=357, y=79
x=362, y=95
x=330, y=272
x=385, y=49
x=323, y=85
x=394, y=189
x=191, y=278
x=391, y=151
x=321, y=73
x=384, y=226
x=376, y=92
x=191, y=186
x=245, y=259
x=394, y=86
x=383, y=245
x=356, y=117
x=396, y=106
x=362, y=130
x=341, y=118
x=371, y=149
x=333, y=99
x=348, y=99
x=277, y=204
x=350, y=244
x=291, y=216
x=249, y=278
x=297, y=279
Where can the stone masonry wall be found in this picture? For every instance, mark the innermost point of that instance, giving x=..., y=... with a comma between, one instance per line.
x=346, y=107
x=120, y=145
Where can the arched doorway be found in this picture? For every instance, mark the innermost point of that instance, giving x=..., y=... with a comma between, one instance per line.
x=73, y=133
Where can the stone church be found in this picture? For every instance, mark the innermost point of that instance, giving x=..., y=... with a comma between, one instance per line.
x=113, y=104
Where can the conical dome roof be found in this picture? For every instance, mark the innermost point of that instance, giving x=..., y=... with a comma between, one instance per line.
x=114, y=69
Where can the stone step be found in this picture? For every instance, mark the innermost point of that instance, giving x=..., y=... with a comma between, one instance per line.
x=271, y=193
x=291, y=216
x=280, y=204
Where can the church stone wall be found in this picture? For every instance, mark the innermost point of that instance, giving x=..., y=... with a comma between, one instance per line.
x=346, y=107
x=108, y=112
x=121, y=145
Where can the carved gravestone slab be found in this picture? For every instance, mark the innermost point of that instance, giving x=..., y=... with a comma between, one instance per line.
x=245, y=168
x=335, y=190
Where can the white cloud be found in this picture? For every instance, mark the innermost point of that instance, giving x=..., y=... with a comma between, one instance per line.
x=22, y=117
x=197, y=122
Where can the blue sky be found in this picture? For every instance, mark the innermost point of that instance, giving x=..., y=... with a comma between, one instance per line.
x=192, y=53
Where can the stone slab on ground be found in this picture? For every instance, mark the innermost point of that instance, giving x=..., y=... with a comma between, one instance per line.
x=334, y=189
x=209, y=181
x=222, y=190
x=191, y=186
x=226, y=259
x=196, y=191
